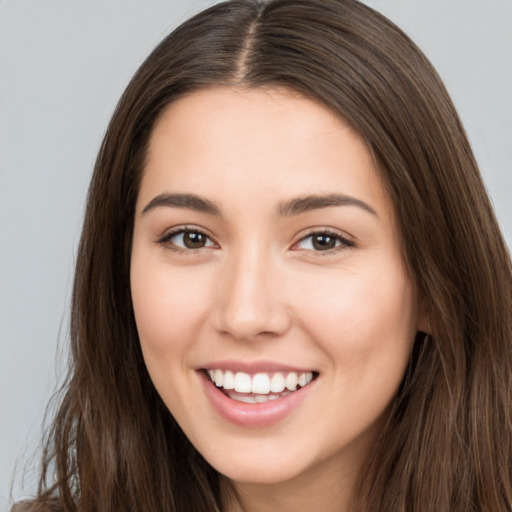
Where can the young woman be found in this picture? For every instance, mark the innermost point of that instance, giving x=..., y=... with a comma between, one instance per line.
x=291, y=291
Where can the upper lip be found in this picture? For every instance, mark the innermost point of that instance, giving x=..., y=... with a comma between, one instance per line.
x=254, y=366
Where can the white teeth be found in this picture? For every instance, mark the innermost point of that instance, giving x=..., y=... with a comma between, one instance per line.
x=243, y=382
x=277, y=383
x=256, y=399
x=229, y=380
x=245, y=399
x=291, y=381
x=260, y=383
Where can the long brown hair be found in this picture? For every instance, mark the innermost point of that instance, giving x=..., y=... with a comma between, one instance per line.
x=448, y=443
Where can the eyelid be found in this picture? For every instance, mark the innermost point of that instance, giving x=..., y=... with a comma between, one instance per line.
x=345, y=241
x=164, y=239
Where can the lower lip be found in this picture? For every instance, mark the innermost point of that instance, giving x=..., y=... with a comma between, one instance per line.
x=253, y=415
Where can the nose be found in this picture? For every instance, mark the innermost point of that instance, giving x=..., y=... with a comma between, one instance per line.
x=251, y=302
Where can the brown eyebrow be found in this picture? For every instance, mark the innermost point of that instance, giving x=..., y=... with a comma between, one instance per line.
x=292, y=207
x=187, y=201
x=316, y=202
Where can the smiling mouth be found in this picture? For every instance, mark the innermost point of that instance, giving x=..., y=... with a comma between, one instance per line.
x=259, y=387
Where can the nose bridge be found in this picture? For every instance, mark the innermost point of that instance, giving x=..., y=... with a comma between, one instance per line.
x=250, y=303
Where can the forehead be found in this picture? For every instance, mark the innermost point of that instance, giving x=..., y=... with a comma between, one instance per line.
x=219, y=141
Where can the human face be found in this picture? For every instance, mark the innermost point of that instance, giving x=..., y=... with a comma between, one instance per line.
x=265, y=243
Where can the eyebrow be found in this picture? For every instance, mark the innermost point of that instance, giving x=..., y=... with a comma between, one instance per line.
x=289, y=208
x=186, y=201
x=316, y=202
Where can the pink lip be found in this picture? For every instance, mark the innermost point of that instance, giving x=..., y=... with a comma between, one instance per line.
x=253, y=415
x=253, y=367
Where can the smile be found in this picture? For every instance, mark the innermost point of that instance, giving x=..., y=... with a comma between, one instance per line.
x=256, y=394
x=259, y=387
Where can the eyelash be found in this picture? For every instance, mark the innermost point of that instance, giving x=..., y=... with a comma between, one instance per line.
x=166, y=240
x=341, y=241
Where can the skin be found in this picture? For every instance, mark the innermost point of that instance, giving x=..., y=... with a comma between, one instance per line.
x=260, y=290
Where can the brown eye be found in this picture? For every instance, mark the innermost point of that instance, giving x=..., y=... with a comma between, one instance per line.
x=187, y=239
x=323, y=242
x=194, y=240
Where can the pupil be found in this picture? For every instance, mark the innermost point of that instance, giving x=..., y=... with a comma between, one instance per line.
x=324, y=242
x=194, y=240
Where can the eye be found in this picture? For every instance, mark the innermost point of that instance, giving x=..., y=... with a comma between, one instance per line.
x=184, y=239
x=323, y=241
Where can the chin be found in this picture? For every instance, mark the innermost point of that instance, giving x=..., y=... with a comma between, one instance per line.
x=271, y=473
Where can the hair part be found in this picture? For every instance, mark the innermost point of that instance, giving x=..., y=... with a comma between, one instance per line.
x=447, y=444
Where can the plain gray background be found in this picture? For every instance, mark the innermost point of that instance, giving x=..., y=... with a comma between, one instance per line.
x=64, y=64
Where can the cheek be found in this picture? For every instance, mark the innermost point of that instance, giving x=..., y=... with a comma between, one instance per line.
x=363, y=320
x=366, y=327
x=168, y=307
